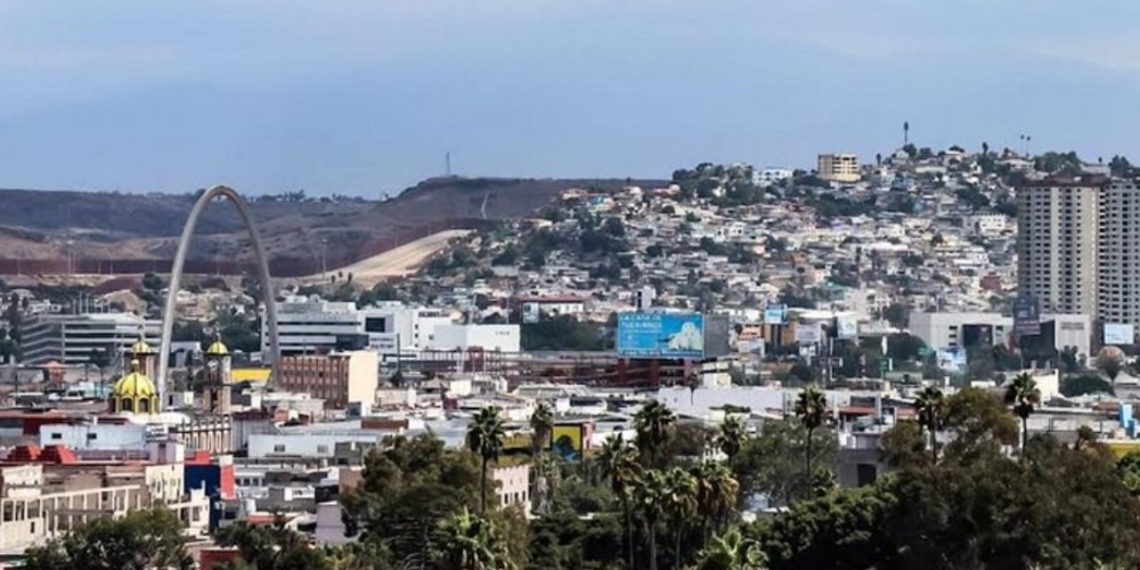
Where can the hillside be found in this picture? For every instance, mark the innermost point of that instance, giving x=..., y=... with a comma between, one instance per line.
x=37, y=225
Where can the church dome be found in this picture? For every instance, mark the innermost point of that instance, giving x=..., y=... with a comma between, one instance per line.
x=134, y=393
x=141, y=347
x=217, y=348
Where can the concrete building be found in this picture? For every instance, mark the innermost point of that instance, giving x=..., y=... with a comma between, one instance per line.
x=490, y=338
x=839, y=167
x=338, y=377
x=71, y=339
x=769, y=176
x=945, y=330
x=314, y=326
x=1057, y=246
x=1118, y=254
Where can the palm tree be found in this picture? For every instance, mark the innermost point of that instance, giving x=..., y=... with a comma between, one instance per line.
x=731, y=551
x=542, y=423
x=692, y=382
x=1023, y=395
x=485, y=438
x=716, y=494
x=811, y=409
x=732, y=437
x=618, y=461
x=652, y=422
x=470, y=542
x=649, y=500
x=929, y=405
x=680, y=505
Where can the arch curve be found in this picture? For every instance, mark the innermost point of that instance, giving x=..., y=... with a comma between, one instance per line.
x=267, y=292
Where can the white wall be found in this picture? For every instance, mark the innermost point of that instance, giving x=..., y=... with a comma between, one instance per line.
x=490, y=338
x=98, y=436
x=314, y=445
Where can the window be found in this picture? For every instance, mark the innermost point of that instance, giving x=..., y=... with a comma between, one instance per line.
x=57, y=435
x=322, y=449
x=279, y=448
x=91, y=436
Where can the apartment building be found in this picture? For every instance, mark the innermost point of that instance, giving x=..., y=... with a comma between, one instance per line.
x=1058, y=242
x=1118, y=254
x=838, y=167
x=73, y=338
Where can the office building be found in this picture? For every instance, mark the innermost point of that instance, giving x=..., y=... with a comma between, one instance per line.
x=73, y=338
x=841, y=167
x=966, y=330
x=1057, y=246
x=1118, y=254
x=338, y=377
x=311, y=326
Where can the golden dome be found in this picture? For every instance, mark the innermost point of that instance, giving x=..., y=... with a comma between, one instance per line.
x=217, y=348
x=134, y=385
x=141, y=347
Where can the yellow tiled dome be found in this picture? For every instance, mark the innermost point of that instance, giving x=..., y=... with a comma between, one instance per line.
x=141, y=347
x=134, y=393
x=217, y=348
x=134, y=385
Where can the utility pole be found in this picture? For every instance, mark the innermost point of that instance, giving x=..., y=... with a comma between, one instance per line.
x=447, y=163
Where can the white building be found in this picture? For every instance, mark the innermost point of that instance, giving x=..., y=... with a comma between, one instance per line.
x=490, y=338
x=88, y=436
x=770, y=176
x=71, y=339
x=989, y=225
x=1118, y=267
x=313, y=326
x=1057, y=242
x=945, y=330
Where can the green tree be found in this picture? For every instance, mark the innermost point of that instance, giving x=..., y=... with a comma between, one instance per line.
x=680, y=506
x=618, y=461
x=732, y=551
x=1128, y=469
x=650, y=494
x=470, y=542
x=811, y=410
x=542, y=424
x=653, y=423
x=1085, y=384
x=716, y=495
x=485, y=438
x=141, y=540
x=897, y=314
x=1022, y=394
x=731, y=436
x=271, y=547
x=929, y=404
x=981, y=425
x=902, y=446
x=772, y=463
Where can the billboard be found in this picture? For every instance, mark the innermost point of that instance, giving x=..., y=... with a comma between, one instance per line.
x=566, y=442
x=951, y=359
x=846, y=327
x=774, y=314
x=808, y=333
x=1118, y=333
x=1026, y=315
x=661, y=335
x=531, y=313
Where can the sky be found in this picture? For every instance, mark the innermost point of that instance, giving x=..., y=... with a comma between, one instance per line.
x=367, y=97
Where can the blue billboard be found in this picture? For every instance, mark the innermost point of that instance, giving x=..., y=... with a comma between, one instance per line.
x=774, y=314
x=661, y=335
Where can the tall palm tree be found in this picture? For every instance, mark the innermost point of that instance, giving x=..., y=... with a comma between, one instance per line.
x=1022, y=394
x=731, y=551
x=485, y=437
x=732, y=436
x=680, y=505
x=653, y=422
x=692, y=382
x=470, y=542
x=811, y=409
x=716, y=494
x=649, y=501
x=929, y=405
x=542, y=424
x=618, y=461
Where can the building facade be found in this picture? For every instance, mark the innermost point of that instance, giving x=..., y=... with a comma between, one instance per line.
x=962, y=330
x=1058, y=243
x=310, y=326
x=1118, y=254
x=838, y=167
x=72, y=339
x=338, y=378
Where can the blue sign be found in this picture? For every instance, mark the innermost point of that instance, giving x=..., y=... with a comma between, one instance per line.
x=1026, y=315
x=774, y=314
x=661, y=335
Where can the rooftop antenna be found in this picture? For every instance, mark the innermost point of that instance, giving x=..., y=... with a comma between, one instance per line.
x=447, y=162
x=906, y=133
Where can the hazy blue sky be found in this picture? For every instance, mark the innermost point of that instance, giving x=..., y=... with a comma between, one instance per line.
x=366, y=97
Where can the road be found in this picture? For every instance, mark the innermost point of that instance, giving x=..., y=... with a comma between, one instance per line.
x=398, y=262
